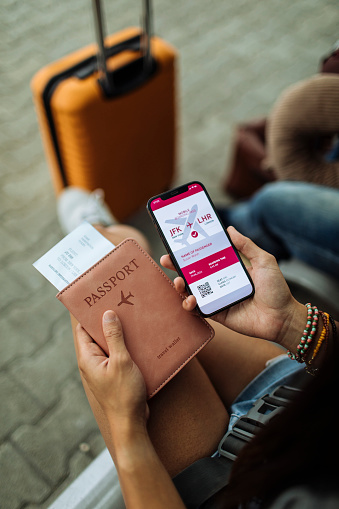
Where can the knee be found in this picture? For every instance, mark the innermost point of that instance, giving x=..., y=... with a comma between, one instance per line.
x=119, y=232
x=276, y=196
x=292, y=203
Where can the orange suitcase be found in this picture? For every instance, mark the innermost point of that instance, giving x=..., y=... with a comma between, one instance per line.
x=108, y=120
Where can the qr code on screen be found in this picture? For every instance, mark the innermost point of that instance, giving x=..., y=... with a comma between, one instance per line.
x=205, y=289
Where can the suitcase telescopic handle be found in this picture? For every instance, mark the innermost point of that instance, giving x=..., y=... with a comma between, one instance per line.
x=106, y=77
x=147, y=32
x=100, y=35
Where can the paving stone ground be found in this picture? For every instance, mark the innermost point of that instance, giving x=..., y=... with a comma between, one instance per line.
x=234, y=60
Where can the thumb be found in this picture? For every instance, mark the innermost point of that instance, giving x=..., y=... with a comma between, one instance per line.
x=112, y=329
x=244, y=244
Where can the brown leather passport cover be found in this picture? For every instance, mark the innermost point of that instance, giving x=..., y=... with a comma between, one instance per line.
x=159, y=334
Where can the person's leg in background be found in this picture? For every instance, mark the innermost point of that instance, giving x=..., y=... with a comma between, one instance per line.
x=292, y=219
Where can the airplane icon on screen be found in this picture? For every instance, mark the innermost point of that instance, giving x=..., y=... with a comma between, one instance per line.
x=124, y=300
x=190, y=224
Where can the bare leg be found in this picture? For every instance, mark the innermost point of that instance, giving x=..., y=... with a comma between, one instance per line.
x=187, y=418
x=119, y=232
x=232, y=360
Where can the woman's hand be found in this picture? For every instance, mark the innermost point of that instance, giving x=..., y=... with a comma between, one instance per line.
x=115, y=381
x=272, y=313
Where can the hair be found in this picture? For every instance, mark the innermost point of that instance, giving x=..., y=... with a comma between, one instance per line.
x=293, y=448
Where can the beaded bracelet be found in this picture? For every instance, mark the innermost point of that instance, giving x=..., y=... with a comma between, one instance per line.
x=308, y=334
x=322, y=339
x=323, y=336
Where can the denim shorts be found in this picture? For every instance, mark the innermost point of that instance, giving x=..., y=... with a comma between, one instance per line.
x=278, y=371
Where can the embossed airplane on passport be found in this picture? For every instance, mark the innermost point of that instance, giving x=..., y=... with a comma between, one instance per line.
x=124, y=300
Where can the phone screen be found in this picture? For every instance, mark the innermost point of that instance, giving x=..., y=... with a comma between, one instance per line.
x=195, y=238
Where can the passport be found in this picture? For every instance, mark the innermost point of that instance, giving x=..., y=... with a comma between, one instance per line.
x=160, y=335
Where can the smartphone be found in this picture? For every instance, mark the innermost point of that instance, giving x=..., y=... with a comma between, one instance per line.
x=200, y=248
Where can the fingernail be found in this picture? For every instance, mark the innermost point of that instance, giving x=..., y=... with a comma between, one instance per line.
x=109, y=316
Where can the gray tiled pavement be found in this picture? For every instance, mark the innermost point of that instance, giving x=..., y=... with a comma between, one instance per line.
x=235, y=58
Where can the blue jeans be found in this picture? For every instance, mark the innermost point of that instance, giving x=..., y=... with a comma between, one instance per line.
x=279, y=371
x=292, y=219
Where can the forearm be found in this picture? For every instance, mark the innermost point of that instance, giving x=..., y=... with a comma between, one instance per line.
x=144, y=481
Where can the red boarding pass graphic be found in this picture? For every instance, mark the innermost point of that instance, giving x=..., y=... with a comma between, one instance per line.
x=213, y=263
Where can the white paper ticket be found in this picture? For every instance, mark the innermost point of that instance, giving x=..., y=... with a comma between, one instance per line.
x=73, y=255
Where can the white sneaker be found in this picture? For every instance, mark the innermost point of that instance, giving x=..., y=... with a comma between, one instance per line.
x=76, y=205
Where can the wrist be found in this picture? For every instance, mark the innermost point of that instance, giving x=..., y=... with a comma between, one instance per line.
x=293, y=327
x=131, y=443
x=316, y=333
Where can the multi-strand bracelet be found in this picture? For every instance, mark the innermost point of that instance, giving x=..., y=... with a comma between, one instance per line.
x=308, y=336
